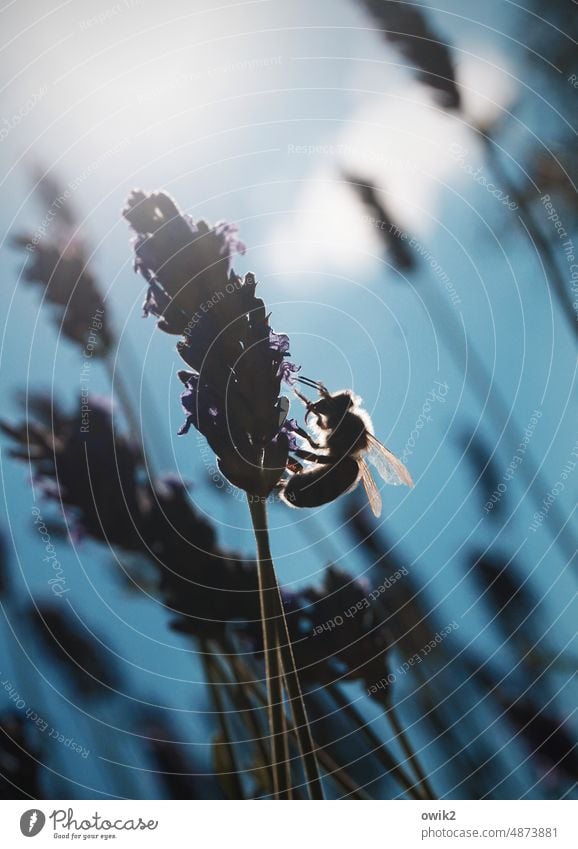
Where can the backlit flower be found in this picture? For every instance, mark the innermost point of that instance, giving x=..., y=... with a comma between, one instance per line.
x=232, y=393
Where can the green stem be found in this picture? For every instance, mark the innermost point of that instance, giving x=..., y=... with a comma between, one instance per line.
x=272, y=603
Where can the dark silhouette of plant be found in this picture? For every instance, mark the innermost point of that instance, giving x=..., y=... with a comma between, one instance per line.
x=481, y=460
x=19, y=759
x=392, y=236
x=88, y=666
x=233, y=398
x=406, y=26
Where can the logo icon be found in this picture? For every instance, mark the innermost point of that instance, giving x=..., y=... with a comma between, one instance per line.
x=32, y=822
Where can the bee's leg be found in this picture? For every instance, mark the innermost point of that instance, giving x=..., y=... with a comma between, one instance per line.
x=304, y=435
x=314, y=458
x=318, y=420
x=310, y=408
x=302, y=397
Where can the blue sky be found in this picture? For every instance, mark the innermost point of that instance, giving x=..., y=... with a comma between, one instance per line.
x=250, y=112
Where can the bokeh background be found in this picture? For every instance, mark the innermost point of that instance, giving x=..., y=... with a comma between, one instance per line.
x=278, y=117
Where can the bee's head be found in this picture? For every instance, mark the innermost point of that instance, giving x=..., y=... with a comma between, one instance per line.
x=334, y=406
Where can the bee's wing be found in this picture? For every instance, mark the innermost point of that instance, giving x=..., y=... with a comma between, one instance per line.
x=389, y=467
x=371, y=490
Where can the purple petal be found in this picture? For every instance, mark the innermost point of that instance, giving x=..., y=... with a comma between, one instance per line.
x=287, y=371
x=279, y=342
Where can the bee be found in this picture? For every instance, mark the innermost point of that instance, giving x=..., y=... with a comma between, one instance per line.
x=344, y=439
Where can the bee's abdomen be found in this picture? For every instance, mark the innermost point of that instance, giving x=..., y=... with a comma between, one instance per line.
x=321, y=484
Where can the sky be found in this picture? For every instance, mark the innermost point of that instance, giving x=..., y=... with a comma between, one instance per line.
x=251, y=112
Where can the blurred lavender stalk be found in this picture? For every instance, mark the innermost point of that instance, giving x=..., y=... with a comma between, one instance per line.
x=407, y=27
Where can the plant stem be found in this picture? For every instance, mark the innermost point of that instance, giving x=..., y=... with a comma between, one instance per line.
x=300, y=720
x=334, y=771
x=119, y=388
x=532, y=228
x=403, y=740
x=501, y=415
x=272, y=605
x=238, y=671
x=378, y=748
x=212, y=675
x=342, y=778
x=273, y=671
x=286, y=742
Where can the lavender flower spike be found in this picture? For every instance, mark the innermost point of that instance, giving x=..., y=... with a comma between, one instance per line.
x=232, y=393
